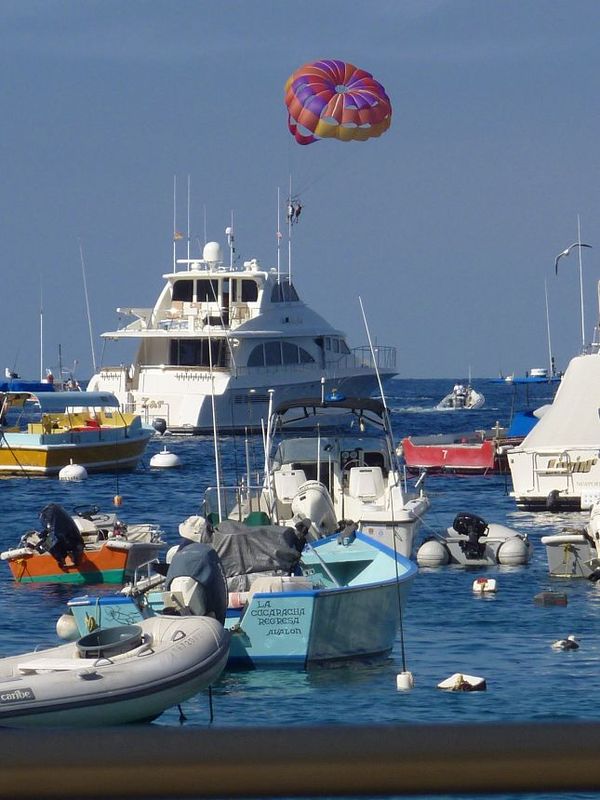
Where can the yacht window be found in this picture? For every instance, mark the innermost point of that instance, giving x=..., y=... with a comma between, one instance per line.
x=327, y=343
x=195, y=353
x=319, y=342
x=305, y=356
x=289, y=353
x=207, y=291
x=183, y=290
x=335, y=345
x=249, y=291
x=257, y=357
x=283, y=292
x=344, y=347
x=234, y=291
x=272, y=354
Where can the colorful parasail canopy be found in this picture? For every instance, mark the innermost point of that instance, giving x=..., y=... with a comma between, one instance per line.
x=335, y=99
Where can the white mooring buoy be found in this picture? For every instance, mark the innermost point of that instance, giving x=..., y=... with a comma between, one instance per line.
x=165, y=459
x=73, y=472
x=405, y=681
x=484, y=585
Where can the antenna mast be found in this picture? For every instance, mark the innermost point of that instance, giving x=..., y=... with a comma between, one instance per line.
x=278, y=237
x=581, y=284
x=87, y=305
x=230, y=242
x=290, y=216
x=174, y=222
x=42, y=331
x=550, y=357
x=189, y=181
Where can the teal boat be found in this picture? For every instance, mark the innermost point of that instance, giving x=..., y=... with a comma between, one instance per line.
x=338, y=598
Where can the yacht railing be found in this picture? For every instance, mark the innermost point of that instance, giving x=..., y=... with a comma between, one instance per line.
x=383, y=356
x=328, y=761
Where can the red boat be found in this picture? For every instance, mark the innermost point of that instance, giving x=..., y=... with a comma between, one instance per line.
x=475, y=453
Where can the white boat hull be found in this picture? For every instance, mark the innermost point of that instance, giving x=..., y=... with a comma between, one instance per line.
x=182, y=397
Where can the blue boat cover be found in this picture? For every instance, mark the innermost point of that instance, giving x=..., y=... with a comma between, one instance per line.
x=522, y=423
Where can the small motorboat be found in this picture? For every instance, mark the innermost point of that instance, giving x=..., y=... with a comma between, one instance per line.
x=575, y=552
x=472, y=542
x=42, y=432
x=85, y=547
x=121, y=675
x=292, y=602
x=462, y=398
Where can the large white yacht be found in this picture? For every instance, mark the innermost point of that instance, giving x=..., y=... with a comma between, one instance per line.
x=230, y=334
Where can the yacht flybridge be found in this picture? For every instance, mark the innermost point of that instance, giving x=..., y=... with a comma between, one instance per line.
x=230, y=334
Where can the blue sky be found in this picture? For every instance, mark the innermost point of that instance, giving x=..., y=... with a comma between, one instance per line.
x=446, y=226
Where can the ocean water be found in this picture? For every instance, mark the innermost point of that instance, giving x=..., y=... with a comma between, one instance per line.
x=505, y=638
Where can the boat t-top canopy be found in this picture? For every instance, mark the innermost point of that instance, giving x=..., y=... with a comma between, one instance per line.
x=357, y=404
x=56, y=402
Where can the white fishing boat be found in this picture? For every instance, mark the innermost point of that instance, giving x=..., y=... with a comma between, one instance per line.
x=110, y=677
x=229, y=333
x=473, y=542
x=346, y=469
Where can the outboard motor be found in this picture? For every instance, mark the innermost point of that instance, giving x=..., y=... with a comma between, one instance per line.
x=473, y=527
x=196, y=573
x=552, y=501
x=67, y=540
x=160, y=425
x=346, y=532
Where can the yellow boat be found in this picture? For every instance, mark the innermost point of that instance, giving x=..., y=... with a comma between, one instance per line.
x=42, y=432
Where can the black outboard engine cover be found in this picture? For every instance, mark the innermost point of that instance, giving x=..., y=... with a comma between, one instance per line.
x=473, y=527
x=200, y=561
x=67, y=538
x=552, y=501
x=160, y=425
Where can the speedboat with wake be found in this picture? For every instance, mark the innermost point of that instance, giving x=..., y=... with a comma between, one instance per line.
x=462, y=398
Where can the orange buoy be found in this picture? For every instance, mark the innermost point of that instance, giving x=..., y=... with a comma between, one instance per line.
x=117, y=500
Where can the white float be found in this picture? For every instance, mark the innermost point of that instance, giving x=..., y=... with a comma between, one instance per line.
x=459, y=682
x=73, y=472
x=165, y=459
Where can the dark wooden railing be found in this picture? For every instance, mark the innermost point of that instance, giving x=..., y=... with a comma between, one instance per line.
x=155, y=761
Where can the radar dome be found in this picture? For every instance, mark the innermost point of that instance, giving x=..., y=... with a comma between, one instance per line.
x=212, y=253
